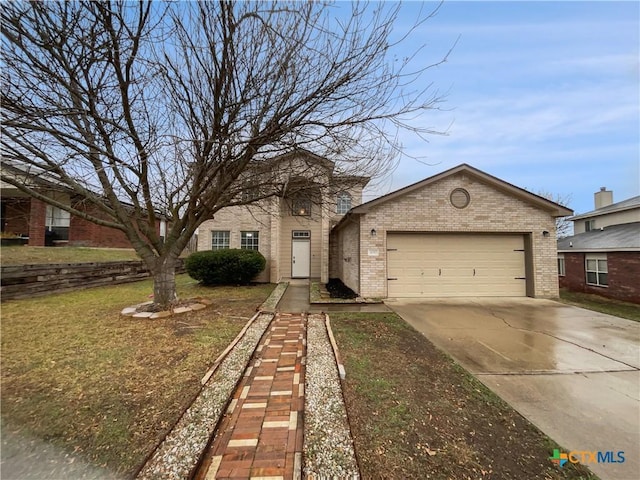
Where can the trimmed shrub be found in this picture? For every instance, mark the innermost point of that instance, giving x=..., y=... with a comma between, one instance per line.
x=230, y=266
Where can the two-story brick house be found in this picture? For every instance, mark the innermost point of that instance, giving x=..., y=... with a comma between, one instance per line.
x=459, y=233
x=292, y=230
x=603, y=255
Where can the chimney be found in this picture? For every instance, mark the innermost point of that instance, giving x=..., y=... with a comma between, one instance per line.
x=603, y=198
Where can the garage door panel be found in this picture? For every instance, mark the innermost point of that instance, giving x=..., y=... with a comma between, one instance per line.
x=448, y=265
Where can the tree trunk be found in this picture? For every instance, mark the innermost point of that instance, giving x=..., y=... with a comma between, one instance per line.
x=164, y=282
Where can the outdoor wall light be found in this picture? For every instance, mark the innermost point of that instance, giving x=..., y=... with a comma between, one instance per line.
x=373, y=232
x=545, y=233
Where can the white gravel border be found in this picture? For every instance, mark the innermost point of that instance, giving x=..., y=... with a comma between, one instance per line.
x=179, y=453
x=328, y=446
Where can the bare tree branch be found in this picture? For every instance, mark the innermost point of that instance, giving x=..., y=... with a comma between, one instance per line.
x=152, y=110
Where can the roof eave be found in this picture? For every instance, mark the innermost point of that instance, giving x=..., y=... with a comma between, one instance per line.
x=596, y=213
x=555, y=209
x=599, y=250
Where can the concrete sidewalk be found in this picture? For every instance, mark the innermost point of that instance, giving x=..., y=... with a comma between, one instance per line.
x=296, y=299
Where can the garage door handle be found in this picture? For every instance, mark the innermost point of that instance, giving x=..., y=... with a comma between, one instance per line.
x=439, y=272
x=520, y=278
x=474, y=272
x=391, y=278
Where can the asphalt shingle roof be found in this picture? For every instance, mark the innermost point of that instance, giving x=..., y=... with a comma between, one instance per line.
x=627, y=204
x=615, y=237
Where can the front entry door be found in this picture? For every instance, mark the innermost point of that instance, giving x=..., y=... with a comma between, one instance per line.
x=300, y=258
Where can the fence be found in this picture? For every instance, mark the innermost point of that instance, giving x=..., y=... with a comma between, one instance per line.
x=24, y=281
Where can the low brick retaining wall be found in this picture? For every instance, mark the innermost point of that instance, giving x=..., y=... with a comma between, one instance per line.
x=22, y=281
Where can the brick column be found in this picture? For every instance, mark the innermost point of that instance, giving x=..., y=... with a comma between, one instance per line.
x=37, y=220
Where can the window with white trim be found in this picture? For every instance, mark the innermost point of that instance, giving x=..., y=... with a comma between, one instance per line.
x=220, y=239
x=596, y=268
x=561, y=269
x=343, y=203
x=249, y=240
x=57, y=222
x=589, y=225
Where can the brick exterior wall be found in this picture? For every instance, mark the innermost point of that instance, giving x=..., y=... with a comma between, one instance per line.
x=37, y=222
x=28, y=216
x=83, y=233
x=239, y=219
x=429, y=210
x=273, y=219
x=16, y=218
x=623, y=276
x=346, y=264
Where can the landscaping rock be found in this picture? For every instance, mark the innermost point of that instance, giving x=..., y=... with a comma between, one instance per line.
x=197, y=306
x=163, y=314
x=180, y=451
x=142, y=315
x=328, y=446
x=179, y=310
x=128, y=312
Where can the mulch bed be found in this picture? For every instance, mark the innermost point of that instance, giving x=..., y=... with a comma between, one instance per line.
x=337, y=289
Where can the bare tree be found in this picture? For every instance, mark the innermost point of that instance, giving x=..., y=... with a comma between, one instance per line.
x=147, y=109
x=564, y=226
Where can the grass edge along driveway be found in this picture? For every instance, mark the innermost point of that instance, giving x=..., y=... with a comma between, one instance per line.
x=78, y=375
x=415, y=413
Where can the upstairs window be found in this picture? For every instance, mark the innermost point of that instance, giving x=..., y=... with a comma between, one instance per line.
x=219, y=239
x=597, y=271
x=589, y=225
x=249, y=240
x=301, y=206
x=343, y=203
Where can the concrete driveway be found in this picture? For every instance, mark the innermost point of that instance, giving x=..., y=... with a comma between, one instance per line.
x=572, y=372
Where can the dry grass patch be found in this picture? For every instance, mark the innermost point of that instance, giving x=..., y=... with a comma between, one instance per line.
x=25, y=255
x=597, y=303
x=76, y=373
x=414, y=413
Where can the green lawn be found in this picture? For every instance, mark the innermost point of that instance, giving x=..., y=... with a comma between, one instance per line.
x=76, y=373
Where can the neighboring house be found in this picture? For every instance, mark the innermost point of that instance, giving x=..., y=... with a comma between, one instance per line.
x=603, y=256
x=45, y=225
x=459, y=233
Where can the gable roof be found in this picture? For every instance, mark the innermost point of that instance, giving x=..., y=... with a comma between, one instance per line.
x=624, y=237
x=628, y=204
x=553, y=208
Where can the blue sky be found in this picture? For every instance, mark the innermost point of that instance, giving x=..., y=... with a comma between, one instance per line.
x=544, y=95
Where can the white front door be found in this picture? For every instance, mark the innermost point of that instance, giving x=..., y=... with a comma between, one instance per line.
x=300, y=258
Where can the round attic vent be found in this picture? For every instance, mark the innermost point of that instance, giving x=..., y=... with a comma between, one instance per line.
x=460, y=198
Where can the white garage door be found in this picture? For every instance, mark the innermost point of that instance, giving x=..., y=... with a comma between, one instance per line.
x=455, y=265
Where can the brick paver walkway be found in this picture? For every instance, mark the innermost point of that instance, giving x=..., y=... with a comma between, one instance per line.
x=261, y=435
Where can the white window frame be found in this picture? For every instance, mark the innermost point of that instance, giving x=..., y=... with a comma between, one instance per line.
x=57, y=217
x=561, y=265
x=589, y=225
x=599, y=268
x=250, y=240
x=216, y=244
x=343, y=203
